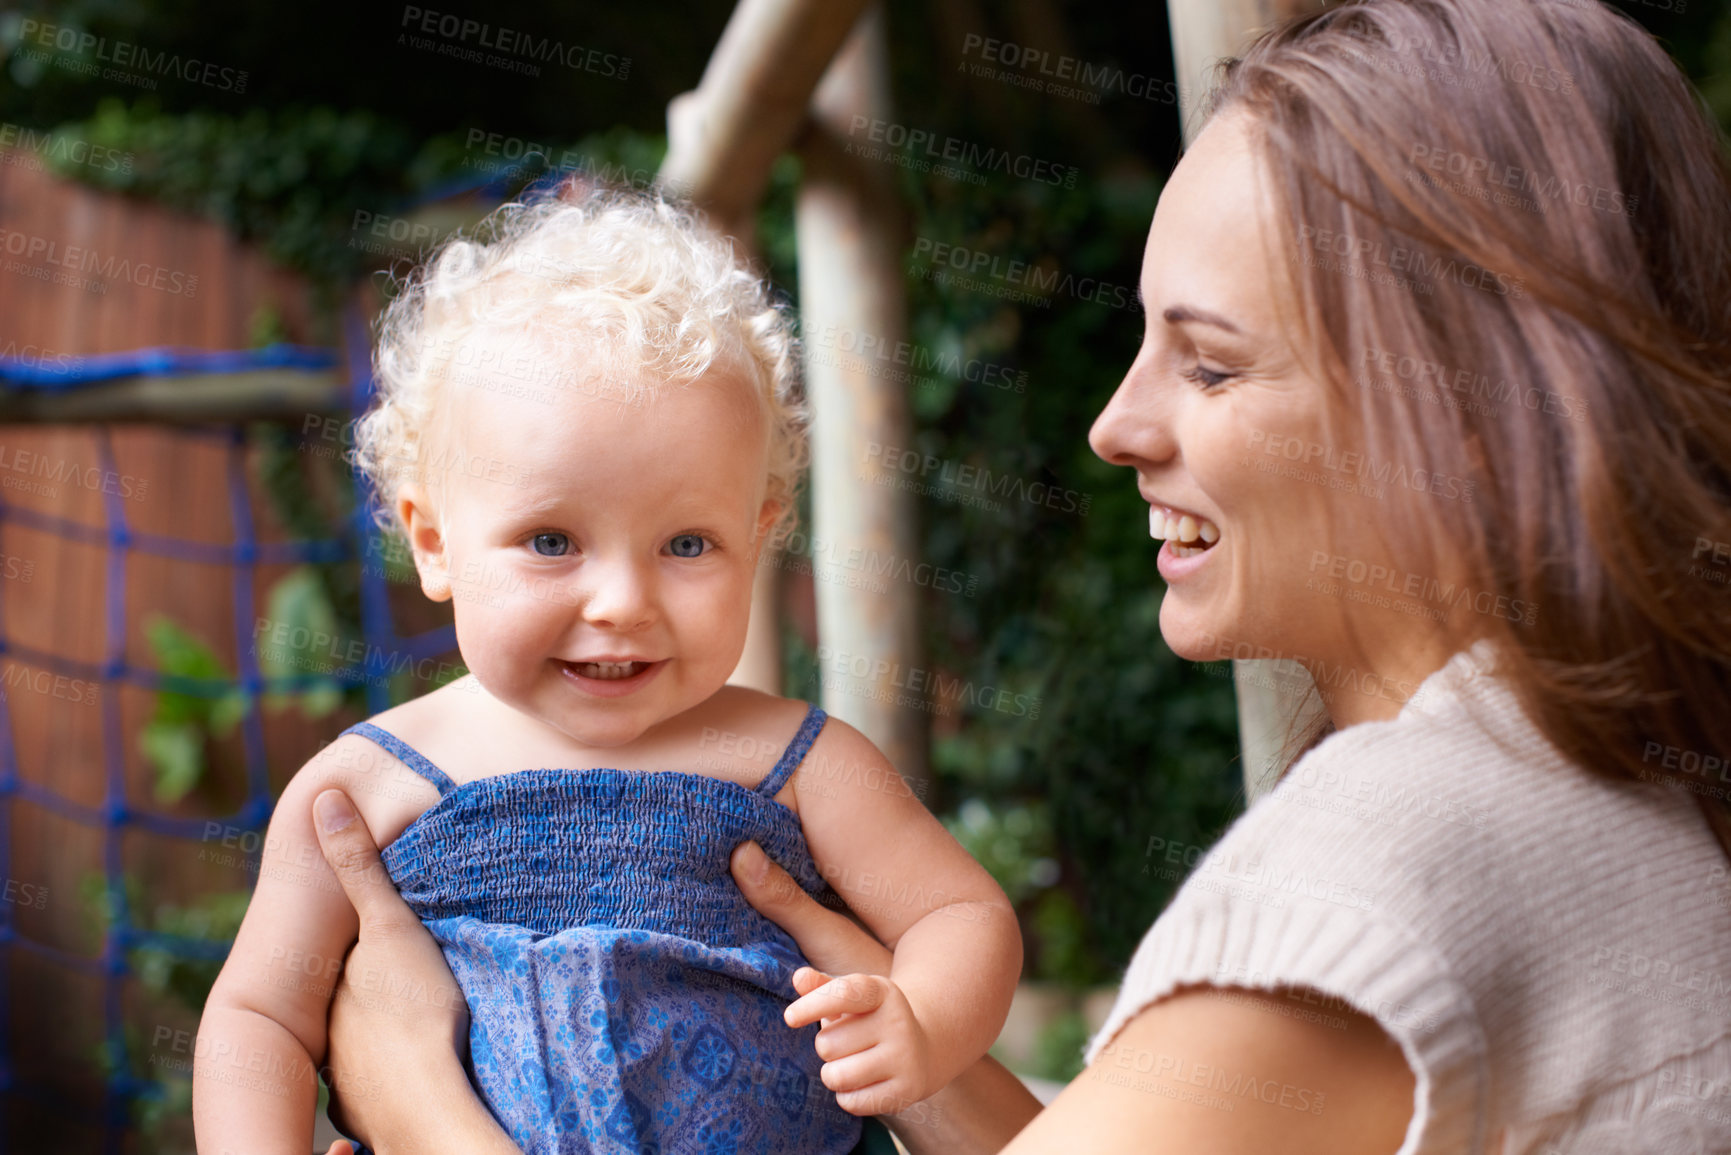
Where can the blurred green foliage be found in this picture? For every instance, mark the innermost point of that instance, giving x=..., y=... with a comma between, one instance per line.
x=290, y=179
x=173, y=740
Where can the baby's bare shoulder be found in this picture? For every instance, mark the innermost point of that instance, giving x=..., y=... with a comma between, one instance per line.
x=740, y=734
x=387, y=793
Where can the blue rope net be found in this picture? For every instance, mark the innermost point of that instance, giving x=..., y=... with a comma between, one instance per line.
x=384, y=649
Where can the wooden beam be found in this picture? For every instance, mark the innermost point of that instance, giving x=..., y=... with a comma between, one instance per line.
x=850, y=232
x=1271, y=695
x=723, y=137
x=1205, y=32
x=192, y=397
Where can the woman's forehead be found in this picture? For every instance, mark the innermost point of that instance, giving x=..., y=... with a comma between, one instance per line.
x=1208, y=245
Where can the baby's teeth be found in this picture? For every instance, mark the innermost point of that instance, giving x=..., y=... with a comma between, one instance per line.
x=1209, y=531
x=1187, y=528
x=1156, y=524
x=609, y=670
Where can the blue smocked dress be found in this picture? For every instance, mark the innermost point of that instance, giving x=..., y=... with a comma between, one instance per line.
x=623, y=996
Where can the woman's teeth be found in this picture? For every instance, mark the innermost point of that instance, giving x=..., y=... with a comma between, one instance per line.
x=609, y=671
x=1188, y=535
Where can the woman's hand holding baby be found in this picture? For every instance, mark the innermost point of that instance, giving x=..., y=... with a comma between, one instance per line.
x=397, y=1012
x=875, y=1052
x=980, y=1110
x=876, y=1056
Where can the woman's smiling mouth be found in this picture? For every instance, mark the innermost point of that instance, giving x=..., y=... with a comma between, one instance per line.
x=1185, y=534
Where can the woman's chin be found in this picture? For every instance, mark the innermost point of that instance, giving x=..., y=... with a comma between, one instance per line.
x=1193, y=637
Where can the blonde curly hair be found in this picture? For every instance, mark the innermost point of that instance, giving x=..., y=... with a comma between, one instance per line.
x=640, y=288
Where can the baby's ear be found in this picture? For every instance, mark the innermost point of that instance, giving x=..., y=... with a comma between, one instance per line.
x=426, y=541
x=767, y=516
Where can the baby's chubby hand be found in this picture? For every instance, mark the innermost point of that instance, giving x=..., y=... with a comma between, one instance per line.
x=875, y=1052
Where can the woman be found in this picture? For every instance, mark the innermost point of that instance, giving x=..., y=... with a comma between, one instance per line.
x=1432, y=401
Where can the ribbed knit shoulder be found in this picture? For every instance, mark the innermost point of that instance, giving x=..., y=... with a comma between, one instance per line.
x=1545, y=945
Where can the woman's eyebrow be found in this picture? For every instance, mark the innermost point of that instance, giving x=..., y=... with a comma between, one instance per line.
x=1179, y=314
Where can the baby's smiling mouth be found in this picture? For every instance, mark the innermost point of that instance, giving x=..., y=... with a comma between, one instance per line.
x=609, y=671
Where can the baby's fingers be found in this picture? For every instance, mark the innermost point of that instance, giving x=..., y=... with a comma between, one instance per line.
x=808, y=979
x=848, y=1036
x=865, y=1084
x=856, y=1072
x=847, y=995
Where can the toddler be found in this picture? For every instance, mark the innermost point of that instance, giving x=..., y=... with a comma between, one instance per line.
x=586, y=428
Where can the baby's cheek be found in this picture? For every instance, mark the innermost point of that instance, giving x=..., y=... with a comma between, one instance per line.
x=499, y=644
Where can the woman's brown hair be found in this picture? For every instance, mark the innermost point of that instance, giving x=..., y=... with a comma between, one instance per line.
x=1509, y=247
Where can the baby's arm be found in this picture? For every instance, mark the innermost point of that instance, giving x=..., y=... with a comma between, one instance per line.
x=262, y=1036
x=958, y=950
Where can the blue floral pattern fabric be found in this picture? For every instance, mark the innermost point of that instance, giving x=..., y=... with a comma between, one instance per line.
x=623, y=996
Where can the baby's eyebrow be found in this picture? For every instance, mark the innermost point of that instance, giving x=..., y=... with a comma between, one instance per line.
x=544, y=504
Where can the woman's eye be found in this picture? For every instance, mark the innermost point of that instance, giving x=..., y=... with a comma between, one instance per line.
x=550, y=544
x=687, y=545
x=1207, y=378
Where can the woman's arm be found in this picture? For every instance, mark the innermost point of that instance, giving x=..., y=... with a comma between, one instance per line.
x=398, y=1023
x=1221, y=1070
x=1225, y=1070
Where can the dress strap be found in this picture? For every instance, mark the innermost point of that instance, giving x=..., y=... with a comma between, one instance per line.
x=410, y=757
x=795, y=752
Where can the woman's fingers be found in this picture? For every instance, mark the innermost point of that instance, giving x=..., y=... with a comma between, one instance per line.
x=393, y=953
x=341, y=1147
x=830, y=940
x=349, y=850
x=848, y=995
x=395, y=997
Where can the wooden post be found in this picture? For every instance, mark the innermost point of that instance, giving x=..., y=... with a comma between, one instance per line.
x=849, y=225
x=1204, y=32
x=722, y=139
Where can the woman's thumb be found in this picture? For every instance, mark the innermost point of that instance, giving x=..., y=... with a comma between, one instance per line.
x=764, y=883
x=349, y=850
x=827, y=938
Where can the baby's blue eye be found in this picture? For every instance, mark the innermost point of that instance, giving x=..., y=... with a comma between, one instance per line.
x=687, y=545
x=550, y=544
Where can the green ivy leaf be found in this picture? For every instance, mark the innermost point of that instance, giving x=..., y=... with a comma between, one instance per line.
x=176, y=749
x=299, y=607
x=227, y=711
x=180, y=654
x=322, y=699
x=173, y=741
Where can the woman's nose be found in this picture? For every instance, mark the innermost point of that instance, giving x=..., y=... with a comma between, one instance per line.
x=1134, y=426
